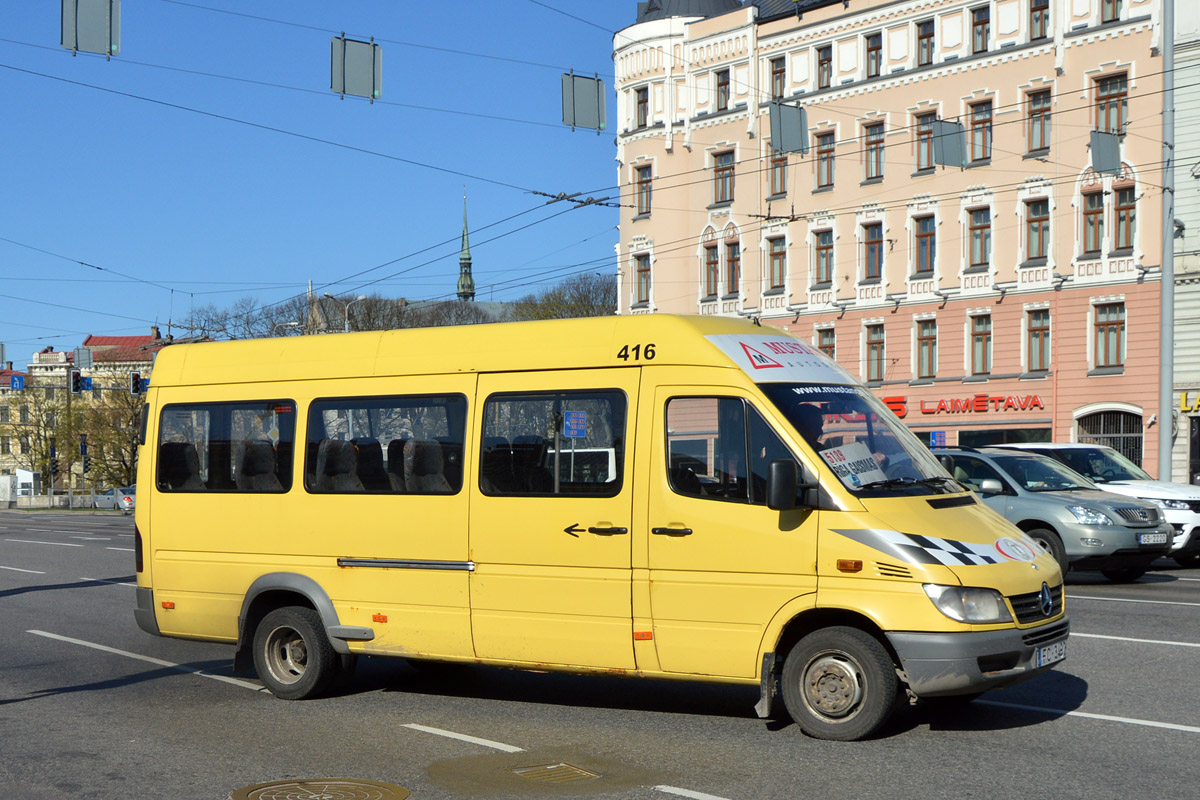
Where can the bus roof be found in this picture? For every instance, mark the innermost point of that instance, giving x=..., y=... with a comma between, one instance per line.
x=591, y=342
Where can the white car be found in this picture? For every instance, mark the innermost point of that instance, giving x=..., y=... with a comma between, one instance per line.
x=1180, y=502
x=120, y=498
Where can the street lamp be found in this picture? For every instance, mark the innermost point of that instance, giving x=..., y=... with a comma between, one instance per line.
x=346, y=308
x=286, y=326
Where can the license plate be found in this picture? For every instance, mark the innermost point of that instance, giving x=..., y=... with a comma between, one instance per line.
x=1050, y=654
x=1152, y=538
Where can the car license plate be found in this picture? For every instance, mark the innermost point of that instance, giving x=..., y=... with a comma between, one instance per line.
x=1152, y=538
x=1050, y=654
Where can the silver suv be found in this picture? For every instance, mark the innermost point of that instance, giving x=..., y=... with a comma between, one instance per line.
x=1083, y=527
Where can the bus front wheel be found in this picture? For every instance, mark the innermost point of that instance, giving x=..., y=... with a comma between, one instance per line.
x=292, y=654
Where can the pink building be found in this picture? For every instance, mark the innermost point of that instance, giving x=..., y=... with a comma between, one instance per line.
x=1012, y=298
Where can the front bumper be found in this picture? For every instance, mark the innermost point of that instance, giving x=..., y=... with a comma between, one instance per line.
x=940, y=664
x=1119, y=546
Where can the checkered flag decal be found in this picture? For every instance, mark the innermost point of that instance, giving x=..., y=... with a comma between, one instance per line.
x=916, y=549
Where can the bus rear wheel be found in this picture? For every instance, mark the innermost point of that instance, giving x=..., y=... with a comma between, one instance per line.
x=839, y=683
x=292, y=654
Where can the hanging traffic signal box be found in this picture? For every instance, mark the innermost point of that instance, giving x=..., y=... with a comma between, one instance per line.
x=135, y=383
x=75, y=379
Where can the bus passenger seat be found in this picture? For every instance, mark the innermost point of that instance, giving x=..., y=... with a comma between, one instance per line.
x=179, y=467
x=337, y=465
x=395, y=464
x=370, y=466
x=496, y=466
x=423, y=468
x=258, y=468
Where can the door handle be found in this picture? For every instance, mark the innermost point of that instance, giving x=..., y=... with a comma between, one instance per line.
x=671, y=531
x=614, y=531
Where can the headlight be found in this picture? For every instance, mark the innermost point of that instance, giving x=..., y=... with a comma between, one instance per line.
x=1176, y=505
x=968, y=604
x=1089, y=516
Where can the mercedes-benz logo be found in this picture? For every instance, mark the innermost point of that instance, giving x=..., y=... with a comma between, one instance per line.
x=1047, y=600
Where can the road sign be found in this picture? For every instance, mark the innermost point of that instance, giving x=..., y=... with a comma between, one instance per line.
x=937, y=438
x=18, y=383
x=575, y=424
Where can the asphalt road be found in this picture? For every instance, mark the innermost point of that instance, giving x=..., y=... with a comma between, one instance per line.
x=92, y=707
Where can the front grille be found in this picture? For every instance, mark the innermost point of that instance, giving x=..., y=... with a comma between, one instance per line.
x=1046, y=633
x=1139, y=516
x=1194, y=505
x=1028, y=607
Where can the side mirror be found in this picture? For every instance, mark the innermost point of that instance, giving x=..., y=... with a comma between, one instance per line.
x=990, y=486
x=782, y=483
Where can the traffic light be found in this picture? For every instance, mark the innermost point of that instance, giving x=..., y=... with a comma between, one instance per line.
x=135, y=383
x=76, y=381
x=87, y=463
x=53, y=469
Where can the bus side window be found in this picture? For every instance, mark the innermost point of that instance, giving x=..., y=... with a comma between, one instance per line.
x=243, y=446
x=706, y=447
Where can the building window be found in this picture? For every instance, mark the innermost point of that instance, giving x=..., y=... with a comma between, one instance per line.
x=1037, y=228
x=643, y=278
x=981, y=131
x=926, y=244
x=1039, y=121
x=1038, y=352
x=1093, y=223
x=980, y=29
x=925, y=141
x=733, y=267
x=1039, y=19
x=824, y=66
x=875, y=353
x=723, y=90
x=1126, y=218
x=643, y=190
x=779, y=162
x=827, y=342
x=1111, y=100
x=873, y=250
x=778, y=262
x=874, y=151
x=926, y=348
x=874, y=55
x=1110, y=11
x=925, y=43
x=1110, y=335
x=824, y=254
x=723, y=177
x=981, y=345
x=643, y=106
x=5, y=445
x=712, y=271
x=981, y=237
x=778, y=77
x=824, y=160
x=24, y=415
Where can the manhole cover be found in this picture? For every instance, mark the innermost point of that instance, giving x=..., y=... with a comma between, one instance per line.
x=554, y=773
x=321, y=789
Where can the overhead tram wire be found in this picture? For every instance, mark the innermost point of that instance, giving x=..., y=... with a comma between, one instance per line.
x=86, y=264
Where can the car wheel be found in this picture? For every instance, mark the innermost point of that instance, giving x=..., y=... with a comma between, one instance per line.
x=840, y=684
x=1128, y=575
x=292, y=654
x=1049, y=542
x=1189, y=561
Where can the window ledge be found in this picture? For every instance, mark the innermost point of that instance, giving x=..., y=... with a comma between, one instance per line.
x=979, y=162
x=773, y=291
x=1122, y=253
x=823, y=189
x=871, y=181
x=1103, y=371
x=773, y=197
x=708, y=298
x=923, y=172
x=873, y=281
x=638, y=217
x=921, y=382
x=1040, y=261
x=1032, y=154
x=977, y=269
x=640, y=304
x=976, y=379
x=1088, y=256
x=722, y=204
x=1036, y=375
x=819, y=287
x=733, y=296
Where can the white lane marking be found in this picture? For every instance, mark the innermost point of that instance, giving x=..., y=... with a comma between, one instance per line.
x=18, y=569
x=1083, y=597
x=1194, y=580
x=1139, y=641
x=170, y=664
x=1106, y=717
x=110, y=583
x=122, y=549
x=508, y=748
x=31, y=541
x=93, y=538
x=688, y=793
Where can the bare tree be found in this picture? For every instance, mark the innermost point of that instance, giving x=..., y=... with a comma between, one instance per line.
x=587, y=295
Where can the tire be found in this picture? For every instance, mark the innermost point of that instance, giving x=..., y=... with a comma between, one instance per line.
x=1127, y=575
x=839, y=683
x=1048, y=540
x=1189, y=561
x=292, y=654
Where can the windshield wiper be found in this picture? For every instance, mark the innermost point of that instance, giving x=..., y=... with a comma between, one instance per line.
x=889, y=482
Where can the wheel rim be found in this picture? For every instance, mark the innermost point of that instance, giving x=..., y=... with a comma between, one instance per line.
x=833, y=685
x=287, y=655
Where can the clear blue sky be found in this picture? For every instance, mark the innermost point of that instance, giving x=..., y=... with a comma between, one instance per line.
x=109, y=163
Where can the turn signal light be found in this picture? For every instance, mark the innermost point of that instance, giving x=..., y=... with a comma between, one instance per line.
x=849, y=565
x=642, y=636
x=168, y=604
x=379, y=617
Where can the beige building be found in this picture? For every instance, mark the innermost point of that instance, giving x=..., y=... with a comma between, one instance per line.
x=1012, y=298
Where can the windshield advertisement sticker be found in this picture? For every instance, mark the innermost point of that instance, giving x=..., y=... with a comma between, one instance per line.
x=780, y=358
x=854, y=464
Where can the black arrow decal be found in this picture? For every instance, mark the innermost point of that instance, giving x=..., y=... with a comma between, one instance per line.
x=573, y=529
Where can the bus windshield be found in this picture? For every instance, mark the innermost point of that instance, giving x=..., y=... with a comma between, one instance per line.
x=872, y=453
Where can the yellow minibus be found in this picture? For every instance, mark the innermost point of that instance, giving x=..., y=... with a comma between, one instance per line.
x=659, y=496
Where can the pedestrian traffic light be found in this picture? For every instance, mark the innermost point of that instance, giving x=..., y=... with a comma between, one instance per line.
x=75, y=380
x=135, y=383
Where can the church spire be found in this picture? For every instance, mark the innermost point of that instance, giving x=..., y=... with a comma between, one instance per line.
x=466, y=284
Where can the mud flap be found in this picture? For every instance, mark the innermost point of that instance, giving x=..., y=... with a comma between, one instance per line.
x=768, y=688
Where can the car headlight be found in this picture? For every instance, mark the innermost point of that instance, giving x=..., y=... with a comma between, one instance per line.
x=1175, y=505
x=969, y=604
x=1090, y=516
